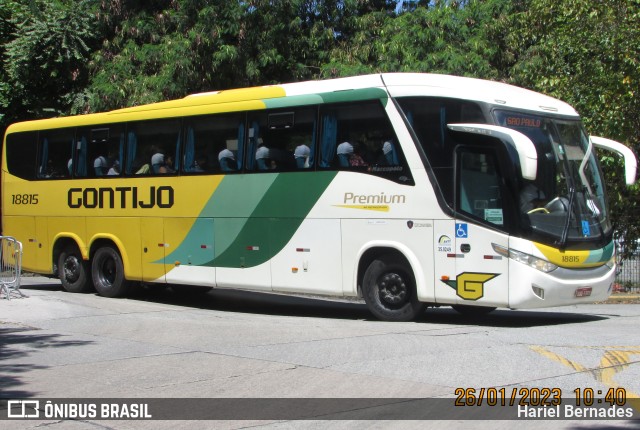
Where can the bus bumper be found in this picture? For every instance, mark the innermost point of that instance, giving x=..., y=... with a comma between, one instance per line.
x=531, y=288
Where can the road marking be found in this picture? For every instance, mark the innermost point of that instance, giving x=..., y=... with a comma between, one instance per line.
x=614, y=360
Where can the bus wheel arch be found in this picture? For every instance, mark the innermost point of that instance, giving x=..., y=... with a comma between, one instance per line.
x=388, y=285
x=72, y=269
x=107, y=269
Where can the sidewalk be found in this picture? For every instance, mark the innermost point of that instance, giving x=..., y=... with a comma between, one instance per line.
x=624, y=298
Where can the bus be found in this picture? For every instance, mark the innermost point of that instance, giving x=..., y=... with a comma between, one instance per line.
x=405, y=190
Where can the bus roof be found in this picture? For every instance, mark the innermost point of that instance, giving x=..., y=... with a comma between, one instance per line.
x=491, y=92
x=254, y=98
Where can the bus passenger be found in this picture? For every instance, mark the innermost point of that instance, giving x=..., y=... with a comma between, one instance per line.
x=157, y=160
x=162, y=164
x=227, y=160
x=115, y=169
x=355, y=159
x=262, y=157
x=344, y=151
x=100, y=165
x=200, y=163
x=301, y=154
x=389, y=153
x=532, y=198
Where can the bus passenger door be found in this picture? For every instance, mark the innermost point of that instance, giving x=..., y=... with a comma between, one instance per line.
x=481, y=276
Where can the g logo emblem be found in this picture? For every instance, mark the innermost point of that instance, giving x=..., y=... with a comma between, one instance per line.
x=469, y=285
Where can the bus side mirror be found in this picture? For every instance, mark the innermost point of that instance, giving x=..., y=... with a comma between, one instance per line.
x=522, y=144
x=630, y=161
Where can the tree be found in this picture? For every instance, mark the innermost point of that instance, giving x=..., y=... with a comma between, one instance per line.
x=588, y=54
x=8, y=8
x=172, y=48
x=182, y=47
x=45, y=59
x=437, y=37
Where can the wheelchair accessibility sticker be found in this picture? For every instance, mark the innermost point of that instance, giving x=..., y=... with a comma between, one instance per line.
x=462, y=230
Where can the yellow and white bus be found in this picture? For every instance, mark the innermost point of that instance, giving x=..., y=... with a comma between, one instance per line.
x=408, y=190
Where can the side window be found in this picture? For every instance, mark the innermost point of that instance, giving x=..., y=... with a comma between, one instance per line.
x=360, y=137
x=152, y=147
x=55, y=153
x=99, y=151
x=429, y=117
x=21, y=154
x=281, y=141
x=213, y=144
x=479, y=192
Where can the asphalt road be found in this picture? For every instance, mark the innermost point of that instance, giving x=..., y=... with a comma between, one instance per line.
x=230, y=344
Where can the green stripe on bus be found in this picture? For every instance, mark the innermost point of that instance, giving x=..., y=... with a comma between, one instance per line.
x=293, y=101
x=276, y=218
x=254, y=216
x=601, y=255
x=355, y=95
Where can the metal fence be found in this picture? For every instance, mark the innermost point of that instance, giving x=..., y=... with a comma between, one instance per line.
x=628, y=276
x=10, y=267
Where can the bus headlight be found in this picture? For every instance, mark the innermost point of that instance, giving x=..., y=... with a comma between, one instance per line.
x=612, y=261
x=524, y=258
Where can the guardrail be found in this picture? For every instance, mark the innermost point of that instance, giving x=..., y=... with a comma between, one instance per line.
x=10, y=267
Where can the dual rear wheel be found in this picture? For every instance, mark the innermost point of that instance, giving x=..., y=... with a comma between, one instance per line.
x=105, y=272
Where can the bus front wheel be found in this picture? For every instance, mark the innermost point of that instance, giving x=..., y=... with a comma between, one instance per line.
x=389, y=290
x=107, y=271
x=73, y=271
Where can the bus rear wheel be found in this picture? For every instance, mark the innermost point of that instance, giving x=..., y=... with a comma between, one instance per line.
x=107, y=271
x=389, y=290
x=73, y=271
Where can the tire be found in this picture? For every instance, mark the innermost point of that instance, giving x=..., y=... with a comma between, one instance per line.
x=389, y=290
x=473, y=311
x=73, y=271
x=107, y=271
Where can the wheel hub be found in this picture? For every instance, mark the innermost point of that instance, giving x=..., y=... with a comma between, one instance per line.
x=71, y=269
x=393, y=289
x=109, y=272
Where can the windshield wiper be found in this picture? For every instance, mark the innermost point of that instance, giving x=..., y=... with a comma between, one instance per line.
x=565, y=231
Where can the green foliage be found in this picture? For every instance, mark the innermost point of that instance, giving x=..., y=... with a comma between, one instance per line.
x=443, y=37
x=181, y=47
x=588, y=54
x=69, y=56
x=8, y=9
x=45, y=60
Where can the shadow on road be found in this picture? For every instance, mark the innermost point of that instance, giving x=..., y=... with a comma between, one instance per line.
x=251, y=302
x=16, y=344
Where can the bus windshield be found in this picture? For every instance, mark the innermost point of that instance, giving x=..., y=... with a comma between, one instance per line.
x=566, y=202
